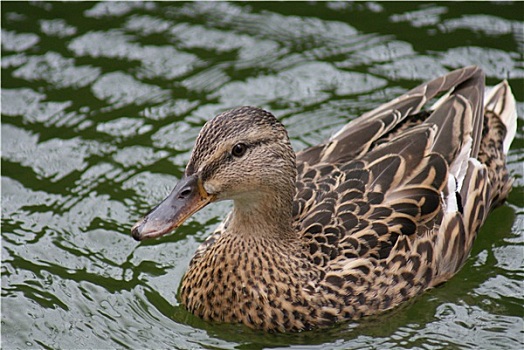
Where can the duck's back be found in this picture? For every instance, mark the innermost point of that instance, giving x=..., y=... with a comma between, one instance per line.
x=393, y=202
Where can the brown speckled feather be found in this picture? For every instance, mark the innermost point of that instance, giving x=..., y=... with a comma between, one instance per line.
x=386, y=208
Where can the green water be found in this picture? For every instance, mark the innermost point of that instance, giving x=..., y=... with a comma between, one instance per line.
x=101, y=103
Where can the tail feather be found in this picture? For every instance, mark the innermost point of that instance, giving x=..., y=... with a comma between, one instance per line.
x=470, y=196
x=500, y=101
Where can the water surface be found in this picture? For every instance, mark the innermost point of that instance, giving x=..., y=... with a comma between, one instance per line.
x=101, y=103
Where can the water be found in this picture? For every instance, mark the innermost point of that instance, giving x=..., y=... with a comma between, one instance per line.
x=101, y=103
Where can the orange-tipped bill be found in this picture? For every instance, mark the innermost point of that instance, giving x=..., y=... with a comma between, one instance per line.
x=187, y=197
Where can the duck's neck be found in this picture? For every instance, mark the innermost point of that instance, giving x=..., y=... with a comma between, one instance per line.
x=265, y=214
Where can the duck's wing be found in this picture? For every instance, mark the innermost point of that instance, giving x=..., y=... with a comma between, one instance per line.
x=361, y=134
x=398, y=189
x=403, y=217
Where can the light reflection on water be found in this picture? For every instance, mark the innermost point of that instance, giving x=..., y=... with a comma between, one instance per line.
x=100, y=107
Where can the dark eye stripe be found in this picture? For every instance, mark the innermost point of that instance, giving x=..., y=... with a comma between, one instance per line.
x=227, y=157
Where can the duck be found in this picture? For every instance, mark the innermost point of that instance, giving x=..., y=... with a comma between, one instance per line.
x=385, y=209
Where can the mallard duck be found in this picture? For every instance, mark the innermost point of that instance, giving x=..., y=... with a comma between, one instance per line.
x=386, y=208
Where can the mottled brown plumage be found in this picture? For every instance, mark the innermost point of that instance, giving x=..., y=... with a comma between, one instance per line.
x=385, y=209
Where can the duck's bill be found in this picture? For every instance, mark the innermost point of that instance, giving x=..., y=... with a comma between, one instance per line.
x=187, y=197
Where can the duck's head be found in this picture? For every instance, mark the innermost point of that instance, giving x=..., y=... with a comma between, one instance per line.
x=243, y=154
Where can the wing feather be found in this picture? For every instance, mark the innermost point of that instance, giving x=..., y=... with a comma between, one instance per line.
x=359, y=135
x=390, y=189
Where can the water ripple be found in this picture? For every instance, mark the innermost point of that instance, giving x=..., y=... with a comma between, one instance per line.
x=57, y=27
x=421, y=18
x=119, y=89
x=499, y=64
x=31, y=106
x=309, y=83
x=57, y=71
x=117, y=8
x=18, y=42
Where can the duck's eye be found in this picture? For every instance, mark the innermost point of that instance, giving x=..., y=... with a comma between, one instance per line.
x=239, y=150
